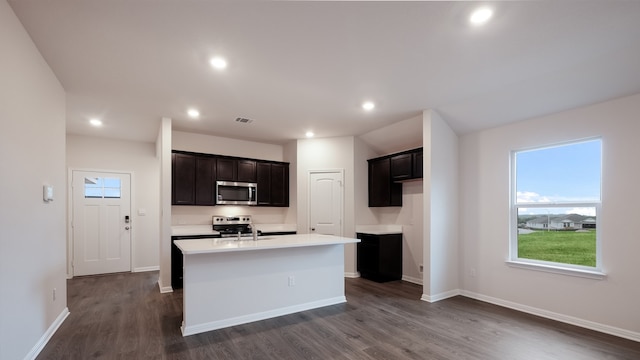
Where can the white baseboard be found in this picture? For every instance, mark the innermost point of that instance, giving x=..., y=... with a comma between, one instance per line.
x=352, y=275
x=164, y=289
x=441, y=296
x=412, y=279
x=607, y=329
x=47, y=335
x=219, y=324
x=146, y=268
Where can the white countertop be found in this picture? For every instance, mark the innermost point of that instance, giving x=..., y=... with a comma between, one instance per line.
x=379, y=229
x=204, y=246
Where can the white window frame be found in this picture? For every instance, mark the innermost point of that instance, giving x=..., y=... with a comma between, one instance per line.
x=548, y=266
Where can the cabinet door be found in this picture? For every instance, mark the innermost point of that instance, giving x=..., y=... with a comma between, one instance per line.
x=273, y=184
x=263, y=172
x=390, y=257
x=183, y=173
x=417, y=164
x=280, y=185
x=205, y=181
x=382, y=191
x=401, y=167
x=368, y=256
x=246, y=171
x=226, y=169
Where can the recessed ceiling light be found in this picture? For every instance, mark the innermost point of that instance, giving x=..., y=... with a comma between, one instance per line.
x=481, y=16
x=368, y=105
x=218, y=63
x=95, y=122
x=309, y=134
x=193, y=113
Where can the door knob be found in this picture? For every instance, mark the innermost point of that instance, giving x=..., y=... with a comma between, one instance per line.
x=126, y=228
x=313, y=229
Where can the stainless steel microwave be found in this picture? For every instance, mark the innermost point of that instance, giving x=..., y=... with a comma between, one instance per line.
x=236, y=193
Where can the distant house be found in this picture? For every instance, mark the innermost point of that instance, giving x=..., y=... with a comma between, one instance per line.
x=541, y=222
x=561, y=222
x=589, y=223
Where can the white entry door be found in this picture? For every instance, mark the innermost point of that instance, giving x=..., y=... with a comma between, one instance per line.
x=101, y=222
x=326, y=192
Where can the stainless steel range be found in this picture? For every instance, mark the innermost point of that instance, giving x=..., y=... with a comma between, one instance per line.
x=233, y=226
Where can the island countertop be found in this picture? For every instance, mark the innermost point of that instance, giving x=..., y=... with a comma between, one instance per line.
x=219, y=245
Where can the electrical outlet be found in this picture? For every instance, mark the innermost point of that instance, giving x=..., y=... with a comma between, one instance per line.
x=472, y=272
x=292, y=280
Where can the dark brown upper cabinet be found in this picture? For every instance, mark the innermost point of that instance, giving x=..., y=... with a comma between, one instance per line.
x=382, y=191
x=227, y=169
x=246, y=170
x=407, y=165
x=205, y=181
x=386, y=174
x=183, y=176
x=273, y=184
x=401, y=167
x=418, y=158
x=231, y=169
x=194, y=177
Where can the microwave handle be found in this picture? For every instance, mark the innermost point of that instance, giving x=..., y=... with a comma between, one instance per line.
x=250, y=191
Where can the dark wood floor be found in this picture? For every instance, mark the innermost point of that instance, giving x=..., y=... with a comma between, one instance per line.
x=123, y=316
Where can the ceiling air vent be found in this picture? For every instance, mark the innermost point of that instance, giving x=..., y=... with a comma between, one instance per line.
x=244, y=120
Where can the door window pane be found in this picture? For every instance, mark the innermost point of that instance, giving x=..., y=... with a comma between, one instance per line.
x=96, y=187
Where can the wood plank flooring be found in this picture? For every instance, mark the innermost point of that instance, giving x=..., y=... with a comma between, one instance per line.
x=123, y=316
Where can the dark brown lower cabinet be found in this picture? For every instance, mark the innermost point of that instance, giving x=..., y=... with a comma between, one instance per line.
x=380, y=256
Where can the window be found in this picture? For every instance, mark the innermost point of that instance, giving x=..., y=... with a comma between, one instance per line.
x=555, y=205
x=97, y=187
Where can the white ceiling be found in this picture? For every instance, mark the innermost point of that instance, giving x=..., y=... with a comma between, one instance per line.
x=298, y=66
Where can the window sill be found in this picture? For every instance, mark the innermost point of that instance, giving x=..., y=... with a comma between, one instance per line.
x=589, y=274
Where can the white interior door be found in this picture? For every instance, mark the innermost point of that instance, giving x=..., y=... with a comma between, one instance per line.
x=101, y=222
x=326, y=192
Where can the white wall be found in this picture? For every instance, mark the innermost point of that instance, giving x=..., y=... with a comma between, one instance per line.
x=32, y=232
x=399, y=136
x=290, y=155
x=225, y=146
x=91, y=153
x=609, y=305
x=321, y=154
x=441, y=164
x=364, y=214
x=163, y=152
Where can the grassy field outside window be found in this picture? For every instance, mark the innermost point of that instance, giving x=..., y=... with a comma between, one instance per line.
x=567, y=247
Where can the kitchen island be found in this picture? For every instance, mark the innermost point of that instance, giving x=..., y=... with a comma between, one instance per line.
x=230, y=282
